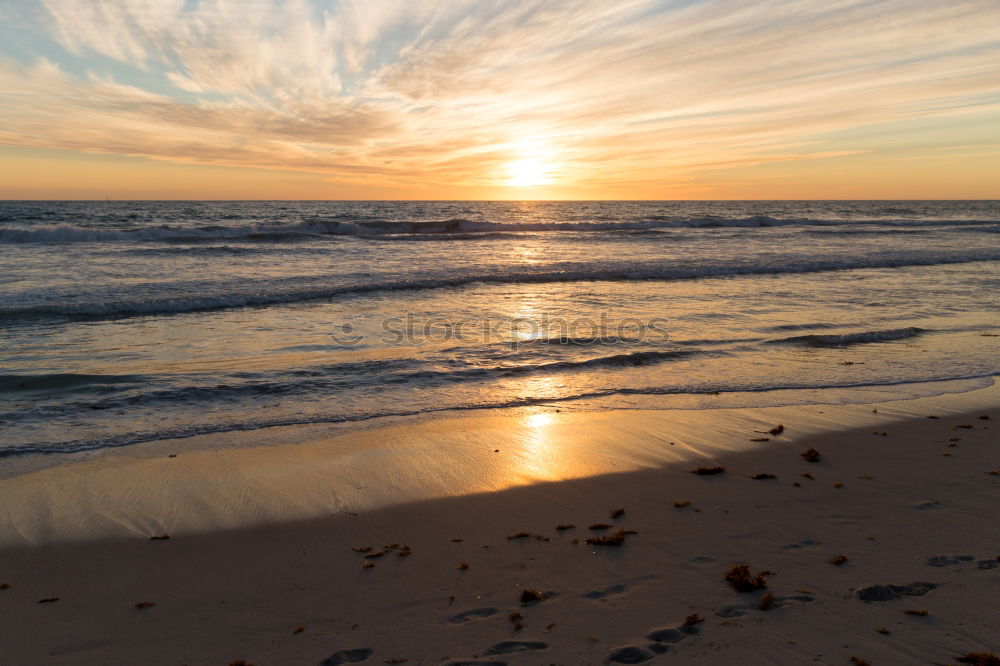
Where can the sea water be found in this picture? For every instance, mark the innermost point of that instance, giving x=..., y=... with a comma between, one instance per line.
x=128, y=322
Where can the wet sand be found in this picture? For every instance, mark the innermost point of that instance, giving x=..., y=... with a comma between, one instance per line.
x=268, y=558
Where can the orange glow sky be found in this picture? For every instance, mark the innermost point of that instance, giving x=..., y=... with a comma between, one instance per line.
x=453, y=99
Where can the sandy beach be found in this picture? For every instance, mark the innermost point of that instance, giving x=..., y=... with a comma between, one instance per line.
x=511, y=333
x=471, y=540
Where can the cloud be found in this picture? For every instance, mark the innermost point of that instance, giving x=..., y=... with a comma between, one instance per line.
x=444, y=91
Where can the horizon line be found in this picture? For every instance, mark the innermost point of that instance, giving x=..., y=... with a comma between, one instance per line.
x=3, y=200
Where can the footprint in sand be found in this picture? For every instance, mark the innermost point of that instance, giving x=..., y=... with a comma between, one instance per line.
x=630, y=655
x=944, y=561
x=474, y=614
x=606, y=592
x=777, y=602
x=887, y=592
x=347, y=657
x=674, y=635
x=807, y=543
x=733, y=611
x=507, y=647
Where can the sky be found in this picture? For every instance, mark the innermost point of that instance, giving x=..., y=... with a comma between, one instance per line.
x=481, y=99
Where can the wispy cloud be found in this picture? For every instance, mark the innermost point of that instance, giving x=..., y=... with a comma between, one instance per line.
x=423, y=93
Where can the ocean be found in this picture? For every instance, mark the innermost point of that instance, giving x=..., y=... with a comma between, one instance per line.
x=130, y=322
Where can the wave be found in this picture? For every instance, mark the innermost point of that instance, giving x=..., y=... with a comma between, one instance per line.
x=321, y=380
x=212, y=250
x=923, y=227
x=58, y=234
x=448, y=236
x=985, y=228
x=846, y=339
x=62, y=381
x=459, y=228
x=803, y=327
x=75, y=446
x=264, y=293
x=873, y=230
x=581, y=340
x=630, y=359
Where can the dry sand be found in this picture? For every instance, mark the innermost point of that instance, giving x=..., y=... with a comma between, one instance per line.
x=907, y=499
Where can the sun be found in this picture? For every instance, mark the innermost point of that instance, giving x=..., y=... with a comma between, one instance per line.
x=528, y=172
x=534, y=161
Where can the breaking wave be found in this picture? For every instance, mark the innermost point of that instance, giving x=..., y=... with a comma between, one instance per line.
x=320, y=287
x=846, y=339
x=457, y=228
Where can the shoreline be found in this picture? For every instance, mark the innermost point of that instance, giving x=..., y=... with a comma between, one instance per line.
x=232, y=480
x=222, y=594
